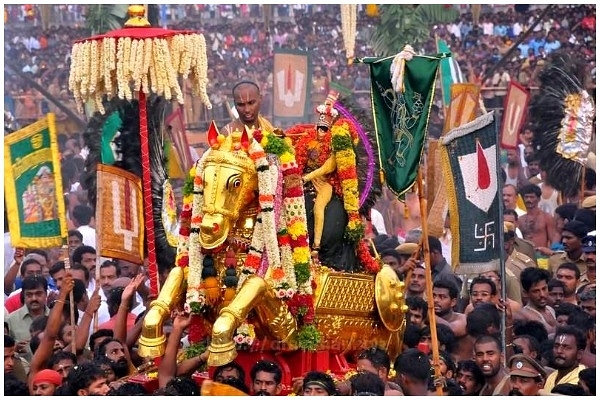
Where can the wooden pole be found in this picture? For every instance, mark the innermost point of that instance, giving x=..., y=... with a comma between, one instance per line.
x=98, y=218
x=429, y=281
x=67, y=262
x=582, y=190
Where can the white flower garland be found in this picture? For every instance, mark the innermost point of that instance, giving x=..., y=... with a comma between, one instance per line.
x=194, y=294
x=348, y=17
x=398, y=65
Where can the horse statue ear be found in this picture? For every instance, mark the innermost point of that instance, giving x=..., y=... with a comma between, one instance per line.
x=245, y=139
x=213, y=135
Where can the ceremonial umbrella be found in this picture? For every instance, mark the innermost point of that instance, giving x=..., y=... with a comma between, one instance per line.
x=138, y=60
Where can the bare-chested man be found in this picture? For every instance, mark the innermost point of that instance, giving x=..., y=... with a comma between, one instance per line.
x=535, y=283
x=536, y=225
x=445, y=297
x=247, y=100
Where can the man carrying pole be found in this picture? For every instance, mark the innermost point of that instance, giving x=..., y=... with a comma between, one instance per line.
x=401, y=109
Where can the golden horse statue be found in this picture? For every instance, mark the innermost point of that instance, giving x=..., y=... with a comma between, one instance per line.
x=243, y=247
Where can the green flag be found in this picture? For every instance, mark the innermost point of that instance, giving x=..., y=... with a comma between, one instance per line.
x=450, y=71
x=401, y=118
x=110, y=130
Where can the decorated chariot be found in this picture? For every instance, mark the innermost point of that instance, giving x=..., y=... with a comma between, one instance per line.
x=269, y=255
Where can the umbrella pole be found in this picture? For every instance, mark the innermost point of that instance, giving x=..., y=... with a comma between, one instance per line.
x=429, y=281
x=147, y=188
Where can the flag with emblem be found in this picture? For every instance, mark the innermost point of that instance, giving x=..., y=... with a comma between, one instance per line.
x=470, y=160
x=120, y=212
x=401, y=116
x=291, y=85
x=33, y=187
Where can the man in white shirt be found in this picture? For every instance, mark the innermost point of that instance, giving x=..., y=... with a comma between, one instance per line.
x=377, y=222
x=82, y=215
x=509, y=199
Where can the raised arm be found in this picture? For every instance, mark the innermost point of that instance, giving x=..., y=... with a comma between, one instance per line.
x=83, y=330
x=46, y=347
x=13, y=271
x=123, y=311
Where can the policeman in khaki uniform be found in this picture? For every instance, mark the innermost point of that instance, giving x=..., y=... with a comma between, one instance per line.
x=515, y=261
x=527, y=376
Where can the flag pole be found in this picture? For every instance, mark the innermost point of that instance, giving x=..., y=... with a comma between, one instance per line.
x=98, y=220
x=429, y=281
x=500, y=231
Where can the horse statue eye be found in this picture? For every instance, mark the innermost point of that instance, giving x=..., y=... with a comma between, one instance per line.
x=237, y=183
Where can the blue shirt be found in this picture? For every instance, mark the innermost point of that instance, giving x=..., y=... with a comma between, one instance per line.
x=552, y=46
x=524, y=48
x=500, y=30
x=535, y=44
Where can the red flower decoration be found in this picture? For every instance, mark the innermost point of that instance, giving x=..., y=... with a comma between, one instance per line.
x=369, y=263
x=183, y=262
x=196, y=330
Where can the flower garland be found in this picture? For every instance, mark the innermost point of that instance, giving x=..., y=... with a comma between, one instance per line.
x=293, y=241
x=113, y=66
x=348, y=17
x=312, y=152
x=191, y=256
x=245, y=335
x=342, y=143
x=292, y=235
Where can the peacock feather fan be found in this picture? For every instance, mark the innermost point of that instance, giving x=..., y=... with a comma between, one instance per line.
x=119, y=127
x=562, y=120
x=367, y=161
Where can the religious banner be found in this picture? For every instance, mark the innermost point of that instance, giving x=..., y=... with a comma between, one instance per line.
x=464, y=103
x=401, y=106
x=470, y=157
x=33, y=188
x=516, y=104
x=120, y=210
x=291, y=85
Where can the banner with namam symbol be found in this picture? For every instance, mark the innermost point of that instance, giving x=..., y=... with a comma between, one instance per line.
x=120, y=211
x=470, y=164
x=33, y=189
x=401, y=118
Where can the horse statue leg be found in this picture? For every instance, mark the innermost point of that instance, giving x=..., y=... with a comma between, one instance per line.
x=153, y=341
x=255, y=294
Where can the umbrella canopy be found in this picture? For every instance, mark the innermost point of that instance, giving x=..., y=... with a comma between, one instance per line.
x=138, y=58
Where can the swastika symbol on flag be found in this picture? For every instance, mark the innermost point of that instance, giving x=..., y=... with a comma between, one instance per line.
x=484, y=233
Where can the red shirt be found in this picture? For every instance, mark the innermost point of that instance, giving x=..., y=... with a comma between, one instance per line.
x=110, y=324
x=13, y=302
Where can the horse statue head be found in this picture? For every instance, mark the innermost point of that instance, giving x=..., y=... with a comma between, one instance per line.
x=230, y=185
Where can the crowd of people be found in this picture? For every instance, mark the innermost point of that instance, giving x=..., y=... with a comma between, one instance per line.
x=241, y=48
x=550, y=246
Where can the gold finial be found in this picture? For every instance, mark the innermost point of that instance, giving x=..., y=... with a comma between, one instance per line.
x=137, y=17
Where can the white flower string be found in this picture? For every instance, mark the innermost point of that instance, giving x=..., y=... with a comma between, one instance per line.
x=348, y=19
x=398, y=65
x=195, y=257
x=119, y=67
